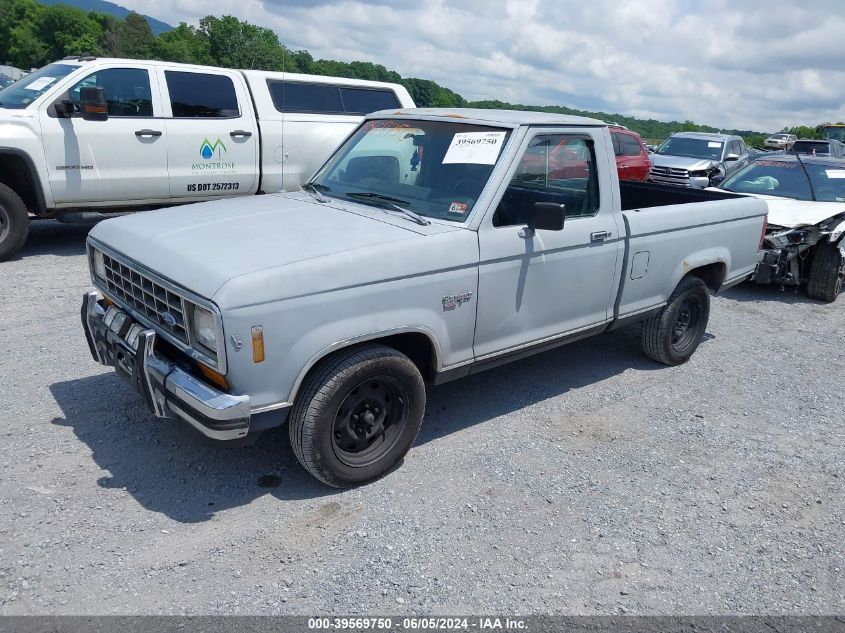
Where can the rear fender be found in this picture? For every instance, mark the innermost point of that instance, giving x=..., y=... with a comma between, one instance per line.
x=699, y=260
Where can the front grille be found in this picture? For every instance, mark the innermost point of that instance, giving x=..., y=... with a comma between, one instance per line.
x=670, y=176
x=162, y=307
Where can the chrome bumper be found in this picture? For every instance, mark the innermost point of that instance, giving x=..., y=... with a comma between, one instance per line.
x=168, y=389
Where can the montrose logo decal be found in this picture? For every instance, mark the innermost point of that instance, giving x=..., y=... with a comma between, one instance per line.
x=207, y=149
x=212, y=162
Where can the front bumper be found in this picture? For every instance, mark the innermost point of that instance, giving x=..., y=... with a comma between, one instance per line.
x=169, y=390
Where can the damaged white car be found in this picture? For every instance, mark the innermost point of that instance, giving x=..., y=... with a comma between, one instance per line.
x=804, y=240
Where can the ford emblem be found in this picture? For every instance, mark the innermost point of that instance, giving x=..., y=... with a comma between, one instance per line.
x=168, y=319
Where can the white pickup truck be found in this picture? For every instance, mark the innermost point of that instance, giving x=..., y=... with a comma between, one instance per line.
x=433, y=244
x=88, y=134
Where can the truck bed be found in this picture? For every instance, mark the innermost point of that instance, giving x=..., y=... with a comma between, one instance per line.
x=642, y=195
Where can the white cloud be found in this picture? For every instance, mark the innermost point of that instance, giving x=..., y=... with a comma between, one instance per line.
x=758, y=64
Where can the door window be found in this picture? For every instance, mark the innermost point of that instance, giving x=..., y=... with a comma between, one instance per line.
x=201, y=95
x=629, y=145
x=617, y=148
x=127, y=91
x=555, y=168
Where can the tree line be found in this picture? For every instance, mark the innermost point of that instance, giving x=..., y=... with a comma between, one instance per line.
x=32, y=34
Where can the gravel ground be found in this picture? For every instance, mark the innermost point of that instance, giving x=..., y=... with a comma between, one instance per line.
x=587, y=480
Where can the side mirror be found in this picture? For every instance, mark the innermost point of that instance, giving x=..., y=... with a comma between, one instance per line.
x=92, y=102
x=731, y=157
x=546, y=216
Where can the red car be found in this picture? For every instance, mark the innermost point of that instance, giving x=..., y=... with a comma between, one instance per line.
x=632, y=161
x=567, y=159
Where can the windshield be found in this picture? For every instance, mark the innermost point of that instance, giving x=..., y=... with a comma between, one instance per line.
x=788, y=180
x=434, y=168
x=835, y=133
x=24, y=91
x=780, y=137
x=691, y=147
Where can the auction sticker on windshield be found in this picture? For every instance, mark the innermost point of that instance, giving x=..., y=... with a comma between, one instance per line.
x=478, y=148
x=835, y=173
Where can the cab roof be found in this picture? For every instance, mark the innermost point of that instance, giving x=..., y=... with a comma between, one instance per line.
x=510, y=118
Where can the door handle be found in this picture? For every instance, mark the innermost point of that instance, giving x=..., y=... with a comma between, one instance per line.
x=599, y=236
x=623, y=166
x=240, y=134
x=141, y=133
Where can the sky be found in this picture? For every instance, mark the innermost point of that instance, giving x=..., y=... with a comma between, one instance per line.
x=749, y=65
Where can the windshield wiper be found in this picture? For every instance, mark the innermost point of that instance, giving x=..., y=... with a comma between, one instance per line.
x=390, y=203
x=806, y=173
x=314, y=188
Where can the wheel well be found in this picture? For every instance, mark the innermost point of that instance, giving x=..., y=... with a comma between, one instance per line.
x=416, y=346
x=711, y=274
x=16, y=174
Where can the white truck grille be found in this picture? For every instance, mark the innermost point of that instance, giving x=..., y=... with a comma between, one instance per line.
x=161, y=306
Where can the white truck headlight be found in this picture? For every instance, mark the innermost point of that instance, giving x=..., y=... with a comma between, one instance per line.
x=99, y=264
x=205, y=329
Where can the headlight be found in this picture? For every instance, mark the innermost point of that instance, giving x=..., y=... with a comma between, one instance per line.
x=205, y=329
x=99, y=264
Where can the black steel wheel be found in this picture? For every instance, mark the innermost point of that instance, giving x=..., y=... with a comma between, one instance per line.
x=357, y=415
x=370, y=421
x=673, y=334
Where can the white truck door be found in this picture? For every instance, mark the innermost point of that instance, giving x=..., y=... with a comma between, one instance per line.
x=122, y=159
x=534, y=288
x=212, y=133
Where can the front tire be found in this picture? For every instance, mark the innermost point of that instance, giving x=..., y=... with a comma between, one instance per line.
x=14, y=223
x=827, y=273
x=673, y=334
x=357, y=415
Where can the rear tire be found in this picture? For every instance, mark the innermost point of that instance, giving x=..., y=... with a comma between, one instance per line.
x=357, y=415
x=673, y=334
x=14, y=223
x=827, y=273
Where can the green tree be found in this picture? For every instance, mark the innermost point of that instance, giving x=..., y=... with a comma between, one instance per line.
x=184, y=44
x=69, y=31
x=20, y=41
x=237, y=44
x=138, y=41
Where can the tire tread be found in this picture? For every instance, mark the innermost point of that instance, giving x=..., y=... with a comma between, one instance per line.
x=821, y=283
x=17, y=211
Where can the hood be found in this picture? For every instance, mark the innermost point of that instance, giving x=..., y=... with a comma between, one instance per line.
x=202, y=246
x=681, y=162
x=794, y=213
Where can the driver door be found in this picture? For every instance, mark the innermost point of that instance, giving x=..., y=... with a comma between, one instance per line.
x=535, y=287
x=121, y=159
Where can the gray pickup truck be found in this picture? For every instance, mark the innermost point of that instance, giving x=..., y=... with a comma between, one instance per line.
x=433, y=244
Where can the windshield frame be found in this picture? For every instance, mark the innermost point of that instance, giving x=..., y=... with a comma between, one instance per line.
x=469, y=125
x=20, y=89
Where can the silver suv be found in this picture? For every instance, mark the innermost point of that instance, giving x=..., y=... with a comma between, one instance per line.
x=697, y=159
